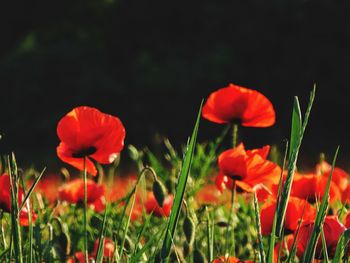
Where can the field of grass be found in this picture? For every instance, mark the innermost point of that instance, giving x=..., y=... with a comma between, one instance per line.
x=203, y=204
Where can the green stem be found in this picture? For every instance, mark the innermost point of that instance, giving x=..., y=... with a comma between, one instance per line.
x=234, y=134
x=3, y=238
x=85, y=213
x=231, y=252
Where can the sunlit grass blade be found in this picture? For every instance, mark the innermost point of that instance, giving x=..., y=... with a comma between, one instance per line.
x=296, y=139
x=180, y=190
x=258, y=229
x=15, y=225
x=101, y=239
x=342, y=246
x=270, y=255
x=155, y=239
x=210, y=235
x=31, y=189
x=321, y=214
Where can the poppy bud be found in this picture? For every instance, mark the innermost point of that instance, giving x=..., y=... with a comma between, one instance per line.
x=159, y=192
x=189, y=230
x=198, y=257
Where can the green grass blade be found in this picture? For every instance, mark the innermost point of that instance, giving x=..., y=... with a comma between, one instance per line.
x=180, y=190
x=31, y=189
x=296, y=137
x=321, y=214
x=270, y=255
x=258, y=229
x=296, y=126
x=15, y=225
x=101, y=239
x=341, y=246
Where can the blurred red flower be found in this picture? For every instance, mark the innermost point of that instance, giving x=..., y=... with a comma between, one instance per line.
x=230, y=259
x=296, y=209
x=249, y=169
x=339, y=176
x=5, y=200
x=73, y=192
x=108, y=250
x=87, y=132
x=332, y=229
x=235, y=103
x=151, y=205
x=347, y=220
x=48, y=186
x=311, y=187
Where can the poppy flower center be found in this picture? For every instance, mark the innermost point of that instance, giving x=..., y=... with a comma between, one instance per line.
x=84, y=152
x=236, y=177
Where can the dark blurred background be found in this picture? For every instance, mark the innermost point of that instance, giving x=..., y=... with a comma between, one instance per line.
x=151, y=63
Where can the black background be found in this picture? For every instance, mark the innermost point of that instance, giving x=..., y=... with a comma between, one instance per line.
x=151, y=63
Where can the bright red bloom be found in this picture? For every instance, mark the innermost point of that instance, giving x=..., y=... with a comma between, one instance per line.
x=230, y=259
x=347, y=220
x=48, y=186
x=339, y=176
x=332, y=229
x=108, y=250
x=5, y=200
x=296, y=209
x=73, y=192
x=312, y=187
x=233, y=103
x=250, y=168
x=151, y=205
x=87, y=132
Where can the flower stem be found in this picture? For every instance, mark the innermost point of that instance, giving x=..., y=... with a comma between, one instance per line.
x=230, y=227
x=85, y=213
x=234, y=134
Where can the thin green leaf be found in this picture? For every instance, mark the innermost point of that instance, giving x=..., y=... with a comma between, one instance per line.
x=321, y=214
x=101, y=239
x=297, y=137
x=258, y=229
x=180, y=190
x=341, y=246
x=31, y=189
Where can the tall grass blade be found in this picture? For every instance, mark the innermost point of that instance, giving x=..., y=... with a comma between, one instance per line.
x=31, y=189
x=296, y=139
x=258, y=229
x=101, y=239
x=321, y=214
x=342, y=246
x=15, y=225
x=180, y=190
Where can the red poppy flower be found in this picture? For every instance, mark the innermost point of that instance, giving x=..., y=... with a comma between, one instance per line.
x=339, y=176
x=332, y=229
x=230, y=259
x=234, y=103
x=5, y=200
x=249, y=169
x=73, y=192
x=296, y=209
x=87, y=132
x=151, y=205
x=48, y=187
x=311, y=187
x=347, y=220
x=108, y=250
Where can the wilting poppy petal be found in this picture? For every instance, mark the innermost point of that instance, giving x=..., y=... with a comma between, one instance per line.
x=232, y=103
x=87, y=132
x=230, y=259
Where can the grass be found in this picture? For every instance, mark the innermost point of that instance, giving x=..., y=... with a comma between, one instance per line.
x=202, y=225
